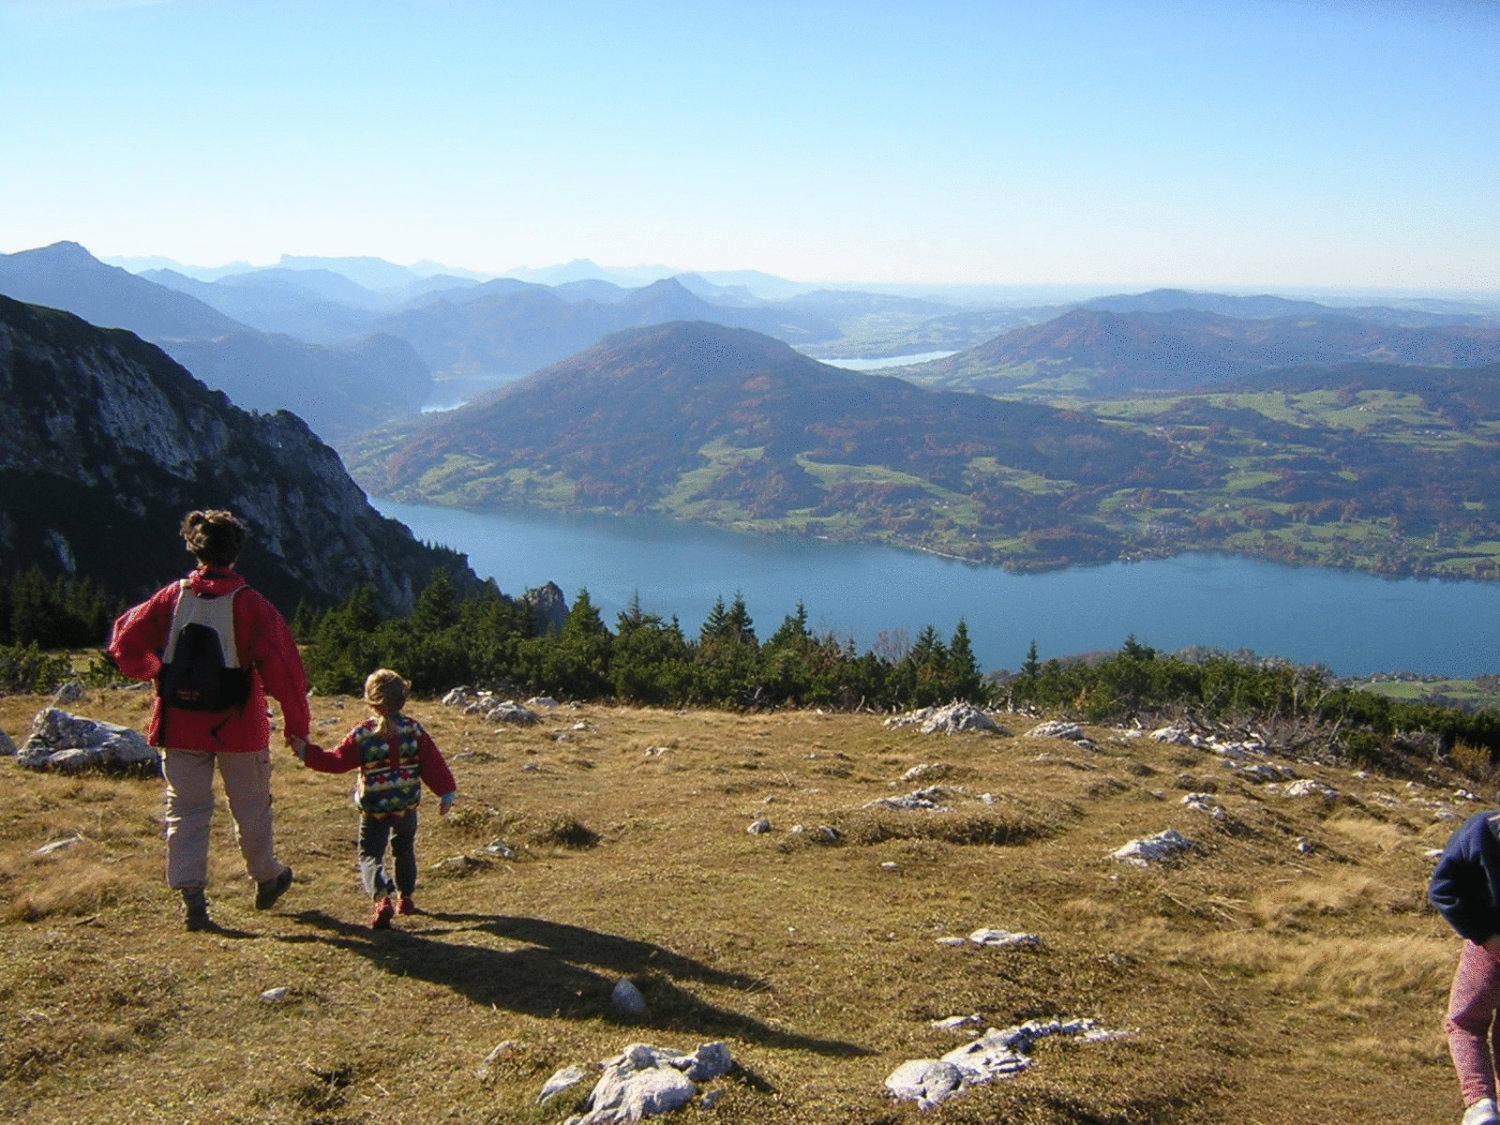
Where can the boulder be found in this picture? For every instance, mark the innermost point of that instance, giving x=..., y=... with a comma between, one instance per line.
x=759, y=826
x=928, y=1082
x=542, y=703
x=60, y=741
x=627, y=998
x=70, y=692
x=643, y=1081
x=512, y=712
x=7, y=747
x=1067, y=732
x=1152, y=849
x=955, y=718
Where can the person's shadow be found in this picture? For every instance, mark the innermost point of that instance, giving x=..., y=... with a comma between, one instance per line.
x=556, y=970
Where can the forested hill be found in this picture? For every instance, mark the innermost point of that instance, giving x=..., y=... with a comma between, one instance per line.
x=1100, y=351
x=729, y=426
x=105, y=442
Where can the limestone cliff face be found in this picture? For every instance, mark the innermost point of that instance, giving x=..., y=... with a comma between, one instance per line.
x=105, y=442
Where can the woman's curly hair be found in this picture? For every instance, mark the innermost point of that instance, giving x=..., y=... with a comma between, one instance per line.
x=215, y=537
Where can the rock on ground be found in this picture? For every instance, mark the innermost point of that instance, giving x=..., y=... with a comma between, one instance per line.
x=1204, y=803
x=995, y=1054
x=627, y=998
x=1152, y=849
x=512, y=712
x=65, y=742
x=1307, y=787
x=1068, y=732
x=564, y=1079
x=759, y=826
x=955, y=718
x=643, y=1081
x=929, y=799
x=52, y=847
x=7, y=747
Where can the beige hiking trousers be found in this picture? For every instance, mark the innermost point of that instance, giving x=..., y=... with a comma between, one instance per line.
x=190, y=812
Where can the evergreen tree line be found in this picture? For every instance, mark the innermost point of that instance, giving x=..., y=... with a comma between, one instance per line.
x=646, y=659
x=488, y=639
x=53, y=612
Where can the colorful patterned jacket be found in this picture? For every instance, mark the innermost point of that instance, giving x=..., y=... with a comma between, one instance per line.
x=392, y=769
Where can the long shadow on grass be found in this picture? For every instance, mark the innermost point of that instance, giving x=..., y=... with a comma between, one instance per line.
x=561, y=971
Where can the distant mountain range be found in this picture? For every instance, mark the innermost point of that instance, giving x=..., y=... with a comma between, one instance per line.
x=338, y=389
x=105, y=442
x=512, y=327
x=1096, y=351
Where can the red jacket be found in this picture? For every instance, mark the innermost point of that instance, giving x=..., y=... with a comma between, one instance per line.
x=348, y=756
x=265, y=647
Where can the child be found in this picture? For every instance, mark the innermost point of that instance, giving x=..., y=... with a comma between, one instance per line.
x=394, y=756
x=1465, y=889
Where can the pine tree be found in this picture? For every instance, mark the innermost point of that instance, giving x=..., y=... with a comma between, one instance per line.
x=965, y=681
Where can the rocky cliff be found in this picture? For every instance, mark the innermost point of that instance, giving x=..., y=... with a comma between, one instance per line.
x=105, y=441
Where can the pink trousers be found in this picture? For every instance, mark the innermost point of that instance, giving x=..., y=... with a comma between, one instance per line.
x=1471, y=1014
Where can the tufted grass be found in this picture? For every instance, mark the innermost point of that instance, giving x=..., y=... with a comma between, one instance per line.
x=1266, y=986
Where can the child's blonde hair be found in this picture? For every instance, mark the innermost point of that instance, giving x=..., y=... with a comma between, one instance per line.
x=385, y=692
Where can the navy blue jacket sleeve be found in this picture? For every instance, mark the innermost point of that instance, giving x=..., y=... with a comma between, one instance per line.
x=1460, y=889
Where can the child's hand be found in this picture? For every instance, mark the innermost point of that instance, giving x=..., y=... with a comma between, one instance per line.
x=446, y=802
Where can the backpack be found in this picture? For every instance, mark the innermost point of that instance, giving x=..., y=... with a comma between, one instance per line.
x=200, y=669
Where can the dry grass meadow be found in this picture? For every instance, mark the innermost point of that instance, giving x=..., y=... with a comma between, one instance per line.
x=1265, y=985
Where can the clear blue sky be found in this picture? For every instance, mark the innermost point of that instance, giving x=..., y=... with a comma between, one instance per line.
x=1267, y=143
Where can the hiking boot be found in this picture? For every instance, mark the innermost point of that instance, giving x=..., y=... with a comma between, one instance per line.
x=268, y=892
x=195, y=910
x=381, y=919
x=1482, y=1112
x=406, y=906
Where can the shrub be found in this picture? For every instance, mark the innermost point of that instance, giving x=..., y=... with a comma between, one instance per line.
x=27, y=669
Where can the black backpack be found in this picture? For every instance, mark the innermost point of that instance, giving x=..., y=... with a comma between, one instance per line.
x=199, y=677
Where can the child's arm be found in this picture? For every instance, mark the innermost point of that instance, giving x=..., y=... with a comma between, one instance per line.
x=341, y=759
x=435, y=773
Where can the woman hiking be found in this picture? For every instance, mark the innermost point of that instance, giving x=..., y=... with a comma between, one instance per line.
x=216, y=649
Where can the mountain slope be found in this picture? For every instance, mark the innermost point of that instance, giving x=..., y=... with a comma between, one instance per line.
x=66, y=276
x=730, y=426
x=337, y=389
x=1101, y=351
x=105, y=442
x=508, y=327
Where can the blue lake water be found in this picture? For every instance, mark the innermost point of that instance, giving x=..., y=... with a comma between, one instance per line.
x=1353, y=623
x=854, y=363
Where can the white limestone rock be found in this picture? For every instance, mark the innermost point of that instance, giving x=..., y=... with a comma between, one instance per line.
x=275, y=995
x=928, y=799
x=1176, y=736
x=1307, y=787
x=512, y=712
x=70, y=692
x=1205, y=803
x=955, y=718
x=995, y=1054
x=64, y=742
x=644, y=1081
x=52, y=847
x=1067, y=732
x=1152, y=849
x=759, y=826
x=562, y=1080
x=542, y=703
x=928, y=1082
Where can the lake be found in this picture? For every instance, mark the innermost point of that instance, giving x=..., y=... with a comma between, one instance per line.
x=1355, y=624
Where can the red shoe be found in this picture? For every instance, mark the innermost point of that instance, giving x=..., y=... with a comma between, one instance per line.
x=381, y=919
x=406, y=906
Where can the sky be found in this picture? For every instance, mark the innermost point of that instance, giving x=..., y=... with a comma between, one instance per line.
x=1275, y=143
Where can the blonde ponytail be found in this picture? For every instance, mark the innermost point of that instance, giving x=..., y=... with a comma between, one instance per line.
x=385, y=692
